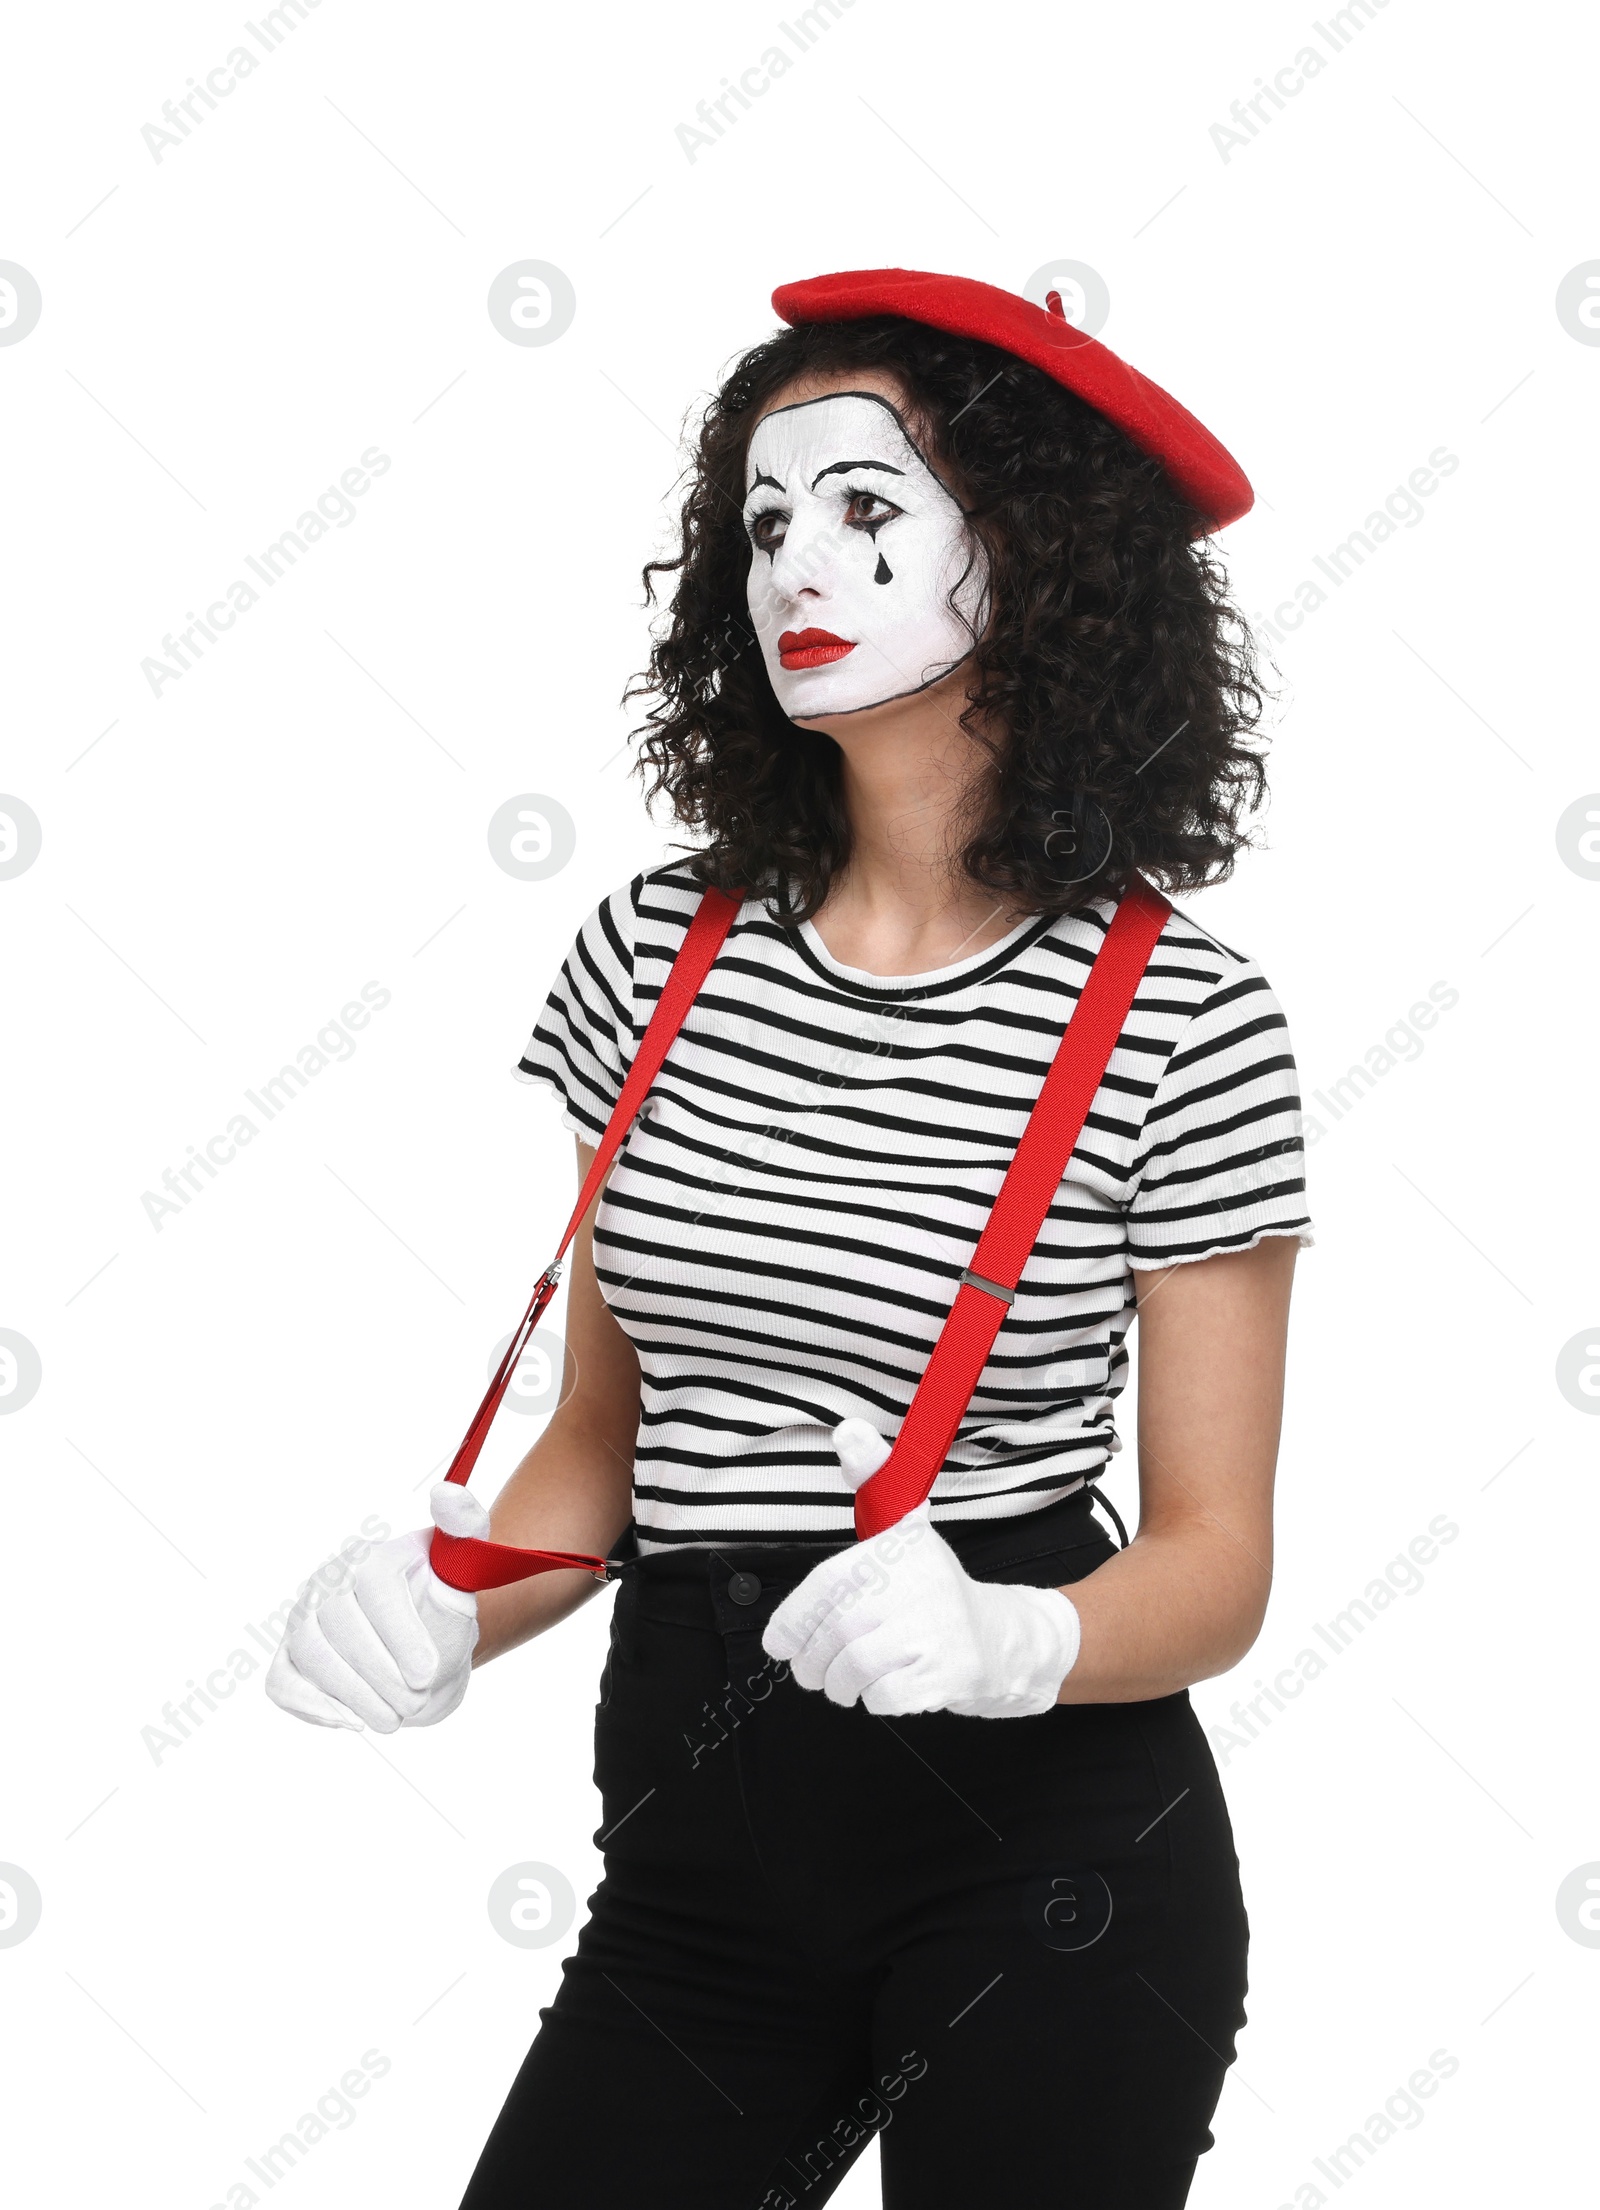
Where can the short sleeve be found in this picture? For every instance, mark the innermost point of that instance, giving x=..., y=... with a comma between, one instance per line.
x=1222, y=1158
x=583, y=1041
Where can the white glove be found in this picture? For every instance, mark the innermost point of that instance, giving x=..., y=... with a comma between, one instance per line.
x=898, y=1622
x=394, y=1649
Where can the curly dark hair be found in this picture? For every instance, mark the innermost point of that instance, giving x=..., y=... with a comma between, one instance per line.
x=1121, y=676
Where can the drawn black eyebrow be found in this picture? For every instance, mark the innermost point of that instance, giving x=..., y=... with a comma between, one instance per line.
x=765, y=479
x=876, y=399
x=843, y=467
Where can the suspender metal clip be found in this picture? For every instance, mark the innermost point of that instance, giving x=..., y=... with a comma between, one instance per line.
x=990, y=1288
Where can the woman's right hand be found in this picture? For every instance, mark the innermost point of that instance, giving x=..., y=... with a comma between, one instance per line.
x=395, y=1648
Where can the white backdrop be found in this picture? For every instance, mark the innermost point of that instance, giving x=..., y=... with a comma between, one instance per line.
x=237, y=304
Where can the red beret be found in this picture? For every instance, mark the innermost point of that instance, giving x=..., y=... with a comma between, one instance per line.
x=1205, y=472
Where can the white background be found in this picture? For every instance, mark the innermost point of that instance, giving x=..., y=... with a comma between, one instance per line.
x=227, y=1929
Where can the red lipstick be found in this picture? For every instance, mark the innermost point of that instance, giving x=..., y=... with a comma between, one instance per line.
x=811, y=648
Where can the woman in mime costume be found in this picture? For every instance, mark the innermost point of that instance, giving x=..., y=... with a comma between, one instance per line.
x=909, y=1828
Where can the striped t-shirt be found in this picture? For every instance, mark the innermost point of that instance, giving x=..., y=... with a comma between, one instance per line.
x=786, y=1226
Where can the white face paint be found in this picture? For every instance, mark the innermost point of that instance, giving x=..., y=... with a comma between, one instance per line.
x=864, y=583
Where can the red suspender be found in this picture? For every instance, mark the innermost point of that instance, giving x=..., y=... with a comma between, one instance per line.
x=1032, y=1179
x=464, y=1561
x=959, y=1356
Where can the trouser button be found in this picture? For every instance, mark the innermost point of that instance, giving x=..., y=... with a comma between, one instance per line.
x=744, y=1588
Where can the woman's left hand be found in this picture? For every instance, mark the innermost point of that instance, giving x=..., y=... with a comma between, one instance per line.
x=899, y=1625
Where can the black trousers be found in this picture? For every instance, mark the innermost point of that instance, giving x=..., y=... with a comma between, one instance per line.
x=1013, y=1949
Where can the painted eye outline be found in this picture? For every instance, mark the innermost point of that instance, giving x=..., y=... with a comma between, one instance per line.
x=869, y=528
x=753, y=524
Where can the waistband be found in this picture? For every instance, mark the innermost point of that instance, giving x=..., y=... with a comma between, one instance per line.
x=989, y=1549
